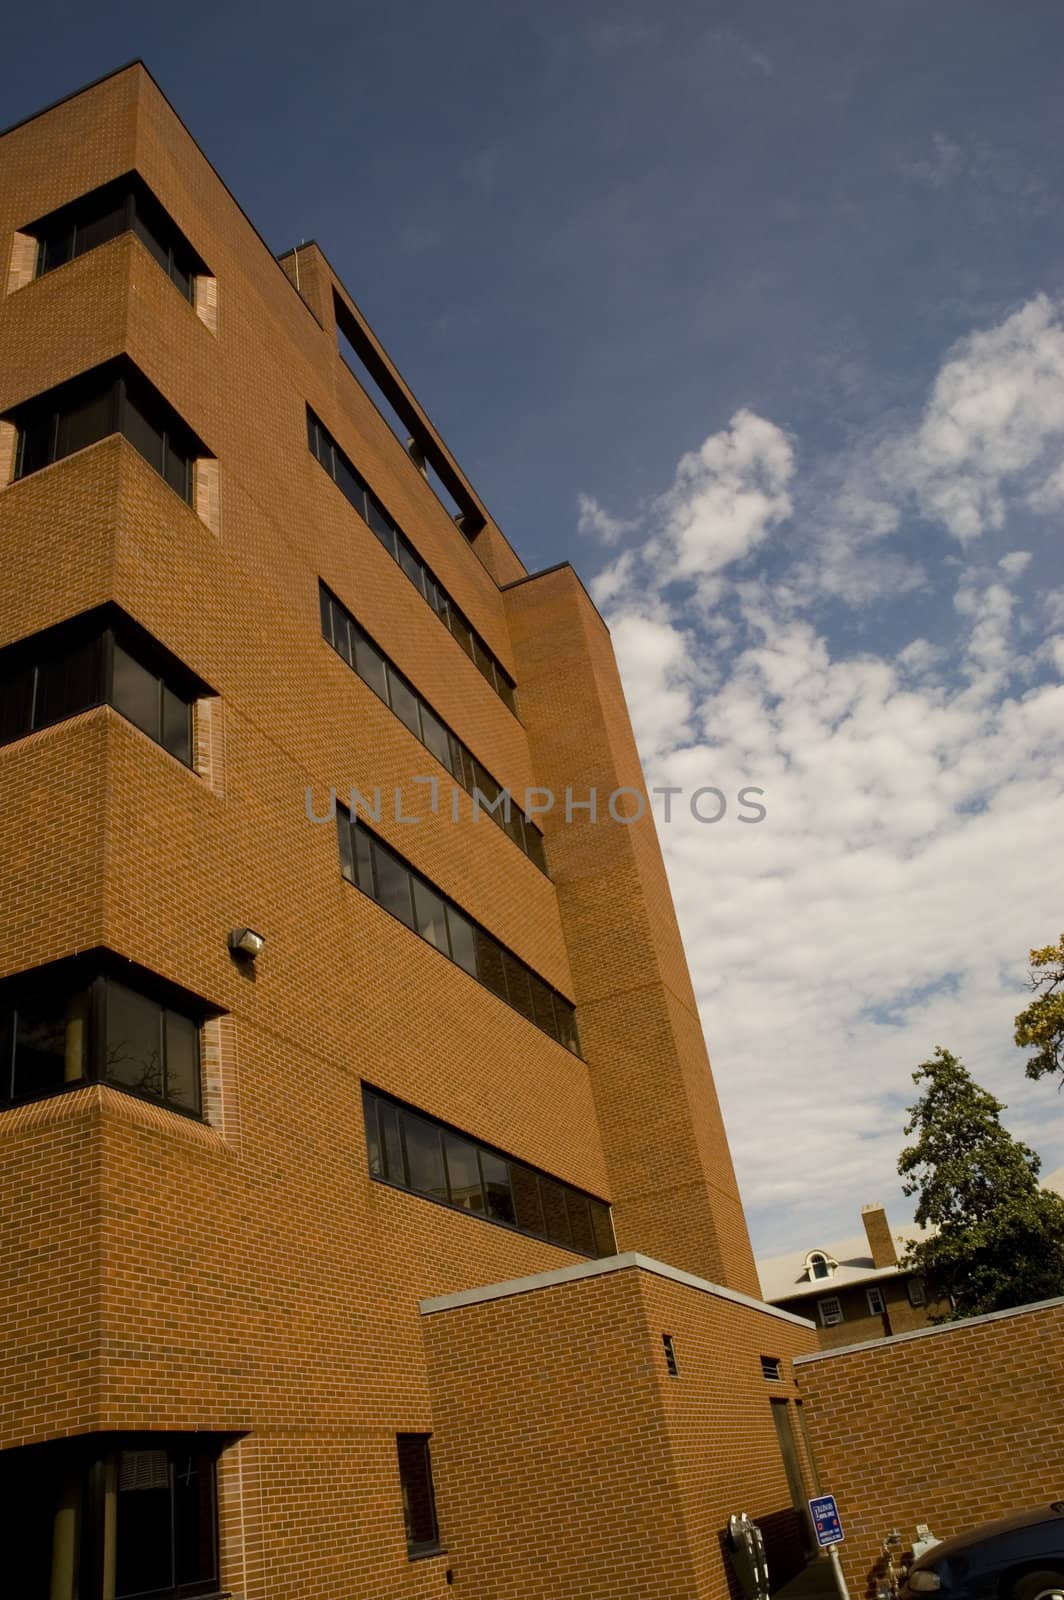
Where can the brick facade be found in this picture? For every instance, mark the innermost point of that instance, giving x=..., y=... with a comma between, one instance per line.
x=242, y=1275
x=951, y=1426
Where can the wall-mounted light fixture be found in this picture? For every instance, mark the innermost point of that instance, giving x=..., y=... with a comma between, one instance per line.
x=245, y=942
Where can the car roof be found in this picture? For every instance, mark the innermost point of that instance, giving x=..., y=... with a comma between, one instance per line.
x=1049, y=1512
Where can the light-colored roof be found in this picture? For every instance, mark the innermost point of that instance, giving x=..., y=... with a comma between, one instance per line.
x=784, y=1276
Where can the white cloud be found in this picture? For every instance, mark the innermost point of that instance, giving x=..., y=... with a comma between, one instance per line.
x=995, y=410
x=596, y=521
x=915, y=797
x=725, y=499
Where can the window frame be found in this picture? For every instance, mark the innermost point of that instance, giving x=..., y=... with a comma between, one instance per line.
x=130, y=397
x=350, y=829
x=95, y=975
x=829, y=1320
x=874, y=1293
x=140, y=213
x=325, y=450
x=340, y=627
x=916, y=1289
x=105, y=629
x=92, y=1464
x=377, y=1105
x=418, y=1550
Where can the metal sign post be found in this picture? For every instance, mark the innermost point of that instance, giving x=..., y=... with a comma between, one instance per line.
x=827, y=1526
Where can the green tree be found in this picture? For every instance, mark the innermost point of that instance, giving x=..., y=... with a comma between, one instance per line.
x=997, y=1239
x=1041, y=1025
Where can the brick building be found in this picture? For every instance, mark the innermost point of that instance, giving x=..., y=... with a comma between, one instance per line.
x=855, y=1289
x=369, y=1225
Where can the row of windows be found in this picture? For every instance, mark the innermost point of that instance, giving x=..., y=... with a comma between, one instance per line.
x=354, y=487
x=62, y=1031
x=112, y=1515
x=96, y=661
x=75, y=1023
x=351, y=641
x=832, y=1310
x=125, y=205
x=112, y=398
x=132, y=1516
x=378, y=871
x=418, y=1153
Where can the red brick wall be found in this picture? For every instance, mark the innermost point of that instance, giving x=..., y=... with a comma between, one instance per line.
x=951, y=1427
x=571, y=1463
x=246, y=1276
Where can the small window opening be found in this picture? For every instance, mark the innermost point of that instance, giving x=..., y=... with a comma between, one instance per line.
x=770, y=1369
x=670, y=1356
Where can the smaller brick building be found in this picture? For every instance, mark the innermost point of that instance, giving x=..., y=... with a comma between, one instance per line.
x=855, y=1289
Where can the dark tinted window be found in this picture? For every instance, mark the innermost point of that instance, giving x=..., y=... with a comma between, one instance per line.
x=404, y=702
x=347, y=638
x=16, y=703
x=136, y=692
x=388, y=879
x=60, y=1031
x=424, y=1156
x=114, y=398
x=165, y=1522
x=325, y=450
x=463, y=1173
x=69, y=672
x=68, y=682
x=555, y=1211
x=119, y=207
x=452, y=1168
x=524, y=1188
x=498, y=1201
x=419, y=1501
x=392, y=885
x=602, y=1224
x=48, y=1040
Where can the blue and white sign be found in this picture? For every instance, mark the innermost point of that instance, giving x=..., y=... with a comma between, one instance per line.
x=826, y=1523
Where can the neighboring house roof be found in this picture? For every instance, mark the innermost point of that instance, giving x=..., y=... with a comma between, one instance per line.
x=785, y=1277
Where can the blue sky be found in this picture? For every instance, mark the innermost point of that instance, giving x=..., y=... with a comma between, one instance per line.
x=755, y=313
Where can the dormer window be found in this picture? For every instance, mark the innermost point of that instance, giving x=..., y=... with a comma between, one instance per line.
x=818, y=1265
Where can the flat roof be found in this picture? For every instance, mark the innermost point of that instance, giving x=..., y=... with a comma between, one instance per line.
x=596, y=1269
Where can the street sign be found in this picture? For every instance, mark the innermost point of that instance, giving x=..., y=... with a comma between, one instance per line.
x=826, y=1523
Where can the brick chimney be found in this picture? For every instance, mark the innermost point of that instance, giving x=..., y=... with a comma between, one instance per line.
x=880, y=1238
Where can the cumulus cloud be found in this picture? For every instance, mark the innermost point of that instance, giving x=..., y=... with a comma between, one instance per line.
x=595, y=520
x=725, y=499
x=915, y=794
x=993, y=425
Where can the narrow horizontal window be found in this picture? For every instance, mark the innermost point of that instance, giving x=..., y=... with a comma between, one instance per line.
x=125, y=205
x=113, y=398
x=412, y=1151
x=99, y=658
x=350, y=641
x=378, y=871
x=327, y=452
x=75, y=1023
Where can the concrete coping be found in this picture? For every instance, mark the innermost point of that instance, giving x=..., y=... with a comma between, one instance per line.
x=930, y=1333
x=597, y=1269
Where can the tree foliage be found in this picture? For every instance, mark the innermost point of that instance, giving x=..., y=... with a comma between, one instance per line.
x=1041, y=1026
x=997, y=1239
